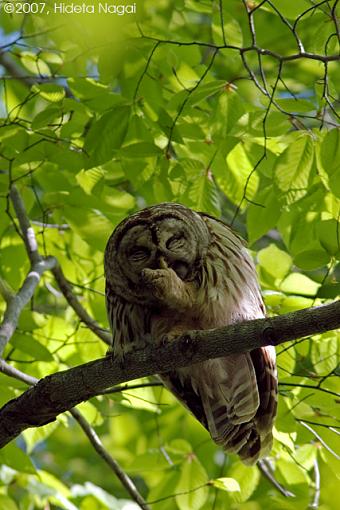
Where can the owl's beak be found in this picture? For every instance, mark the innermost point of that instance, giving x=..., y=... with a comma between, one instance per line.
x=162, y=263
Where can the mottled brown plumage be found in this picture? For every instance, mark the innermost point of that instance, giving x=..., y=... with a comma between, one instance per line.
x=168, y=270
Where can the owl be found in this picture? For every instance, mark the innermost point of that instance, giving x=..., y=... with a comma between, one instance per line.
x=168, y=270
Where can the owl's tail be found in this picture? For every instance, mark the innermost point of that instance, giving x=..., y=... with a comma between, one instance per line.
x=238, y=405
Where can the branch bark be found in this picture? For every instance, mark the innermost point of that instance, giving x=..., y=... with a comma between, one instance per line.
x=60, y=392
x=19, y=300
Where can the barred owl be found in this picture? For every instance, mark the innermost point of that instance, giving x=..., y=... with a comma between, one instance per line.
x=169, y=270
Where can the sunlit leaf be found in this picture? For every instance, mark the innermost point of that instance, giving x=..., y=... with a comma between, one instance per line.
x=50, y=92
x=275, y=261
x=247, y=478
x=293, y=168
x=325, y=354
x=14, y=457
x=192, y=491
x=296, y=283
x=106, y=135
x=226, y=484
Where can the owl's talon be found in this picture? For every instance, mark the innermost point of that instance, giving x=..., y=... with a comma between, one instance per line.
x=145, y=342
x=121, y=362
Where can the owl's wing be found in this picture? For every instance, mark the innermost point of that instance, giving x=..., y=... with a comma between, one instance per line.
x=234, y=398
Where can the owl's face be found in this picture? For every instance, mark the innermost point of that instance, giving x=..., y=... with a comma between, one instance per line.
x=159, y=237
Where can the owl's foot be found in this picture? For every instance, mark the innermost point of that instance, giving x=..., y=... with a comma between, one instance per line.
x=167, y=287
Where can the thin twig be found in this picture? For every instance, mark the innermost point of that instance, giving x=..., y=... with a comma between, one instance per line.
x=319, y=438
x=264, y=466
x=127, y=387
x=66, y=289
x=315, y=503
x=110, y=461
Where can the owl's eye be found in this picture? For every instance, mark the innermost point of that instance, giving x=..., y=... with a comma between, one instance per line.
x=175, y=242
x=139, y=253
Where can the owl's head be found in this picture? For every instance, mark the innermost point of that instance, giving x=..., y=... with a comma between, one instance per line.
x=161, y=236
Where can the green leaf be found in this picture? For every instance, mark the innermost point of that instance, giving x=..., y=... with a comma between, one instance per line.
x=247, y=478
x=296, y=105
x=87, y=88
x=329, y=291
x=100, y=495
x=299, y=284
x=296, y=283
x=34, y=64
x=180, y=446
x=311, y=259
x=34, y=436
x=91, y=225
x=286, y=360
x=275, y=261
x=204, y=195
x=228, y=110
x=50, y=92
x=325, y=354
x=192, y=484
x=285, y=424
x=328, y=161
x=290, y=10
x=231, y=26
x=29, y=345
x=141, y=398
x=305, y=455
x=140, y=150
x=166, y=487
x=226, y=484
x=291, y=472
x=7, y=503
x=106, y=135
x=45, y=117
x=15, y=458
x=293, y=168
x=89, y=179
x=263, y=217
x=235, y=175
x=328, y=232
x=205, y=91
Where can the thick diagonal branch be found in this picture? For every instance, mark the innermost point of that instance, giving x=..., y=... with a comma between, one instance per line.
x=62, y=391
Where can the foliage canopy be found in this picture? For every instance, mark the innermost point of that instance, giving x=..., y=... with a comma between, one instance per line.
x=229, y=107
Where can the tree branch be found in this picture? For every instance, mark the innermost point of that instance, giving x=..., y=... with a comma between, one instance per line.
x=90, y=433
x=20, y=300
x=25, y=226
x=35, y=258
x=66, y=289
x=60, y=392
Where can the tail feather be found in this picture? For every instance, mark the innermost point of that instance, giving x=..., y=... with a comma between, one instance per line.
x=234, y=398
